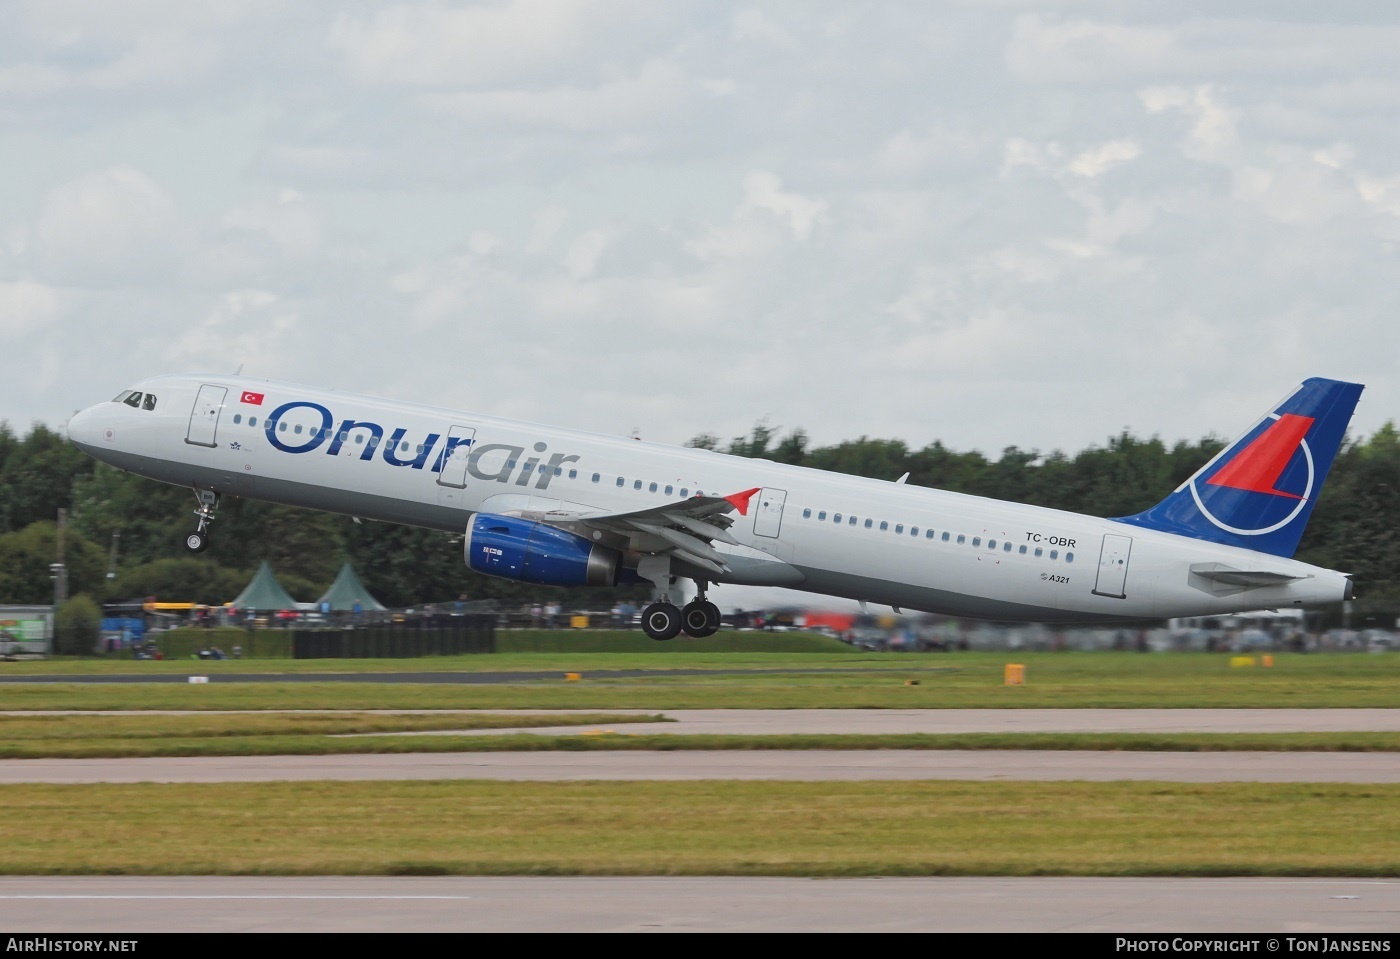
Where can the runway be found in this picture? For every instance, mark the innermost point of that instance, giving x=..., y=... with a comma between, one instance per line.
x=811, y=765
x=1111, y=906
x=815, y=765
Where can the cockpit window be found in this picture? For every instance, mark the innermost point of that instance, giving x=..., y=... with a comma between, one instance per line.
x=149, y=403
x=133, y=400
x=121, y=397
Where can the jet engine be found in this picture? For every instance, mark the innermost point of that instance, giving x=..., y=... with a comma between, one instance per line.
x=519, y=549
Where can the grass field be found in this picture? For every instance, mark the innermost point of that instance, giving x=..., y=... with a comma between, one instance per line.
x=742, y=680
x=690, y=828
x=703, y=828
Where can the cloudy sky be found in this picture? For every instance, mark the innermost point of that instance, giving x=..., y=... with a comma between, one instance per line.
x=988, y=223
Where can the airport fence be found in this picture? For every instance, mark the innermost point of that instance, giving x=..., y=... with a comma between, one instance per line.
x=463, y=634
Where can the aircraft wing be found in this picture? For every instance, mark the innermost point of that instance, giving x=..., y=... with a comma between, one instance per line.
x=684, y=529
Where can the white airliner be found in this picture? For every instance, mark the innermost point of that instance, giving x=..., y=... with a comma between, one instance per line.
x=562, y=507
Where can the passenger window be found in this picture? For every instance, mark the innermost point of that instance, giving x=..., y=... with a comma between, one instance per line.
x=596, y=477
x=373, y=440
x=669, y=489
x=684, y=492
x=1069, y=557
x=898, y=529
x=961, y=539
x=558, y=471
x=237, y=418
x=573, y=474
x=252, y=421
x=806, y=514
x=884, y=526
x=1006, y=546
x=282, y=428
x=1022, y=550
x=836, y=518
x=359, y=439
x=1039, y=552
x=1054, y=554
x=867, y=524
x=418, y=448
x=620, y=481
x=150, y=402
x=851, y=521
x=945, y=535
x=637, y=484
x=976, y=541
x=991, y=544
x=404, y=447
x=651, y=488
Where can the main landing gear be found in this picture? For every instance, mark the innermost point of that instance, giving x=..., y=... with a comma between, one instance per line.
x=198, y=541
x=697, y=619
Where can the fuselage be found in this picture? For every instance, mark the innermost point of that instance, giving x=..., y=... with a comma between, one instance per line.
x=864, y=539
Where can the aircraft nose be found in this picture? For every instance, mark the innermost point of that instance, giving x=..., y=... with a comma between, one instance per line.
x=83, y=431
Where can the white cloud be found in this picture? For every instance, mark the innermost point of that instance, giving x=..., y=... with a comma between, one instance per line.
x=435, y=45
x=620, y=102
x=1046, y=48
x=1021, y=195
x=582, y=259
x=752, y=24
x=1100, y=159
x=114, y=226
x=26, y=306
x=764, y=191
x=1214, y=135
x=289, y=223
x=241, y=326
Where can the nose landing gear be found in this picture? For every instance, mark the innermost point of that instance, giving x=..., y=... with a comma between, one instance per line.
x=198, y=541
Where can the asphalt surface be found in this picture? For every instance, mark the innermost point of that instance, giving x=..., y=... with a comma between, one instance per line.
x=1109, y=906
x=811, y=765
x=1305, y=908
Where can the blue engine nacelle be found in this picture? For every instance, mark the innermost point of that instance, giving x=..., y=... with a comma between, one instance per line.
x=515, y=548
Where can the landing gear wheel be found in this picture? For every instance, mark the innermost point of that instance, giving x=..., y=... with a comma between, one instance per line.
x=661, y=621
x=700, y=619
x=198, y=541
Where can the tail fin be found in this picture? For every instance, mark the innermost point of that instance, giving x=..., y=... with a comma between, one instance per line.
x=1260, y=490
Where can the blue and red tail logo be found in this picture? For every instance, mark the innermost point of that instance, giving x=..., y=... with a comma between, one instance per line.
x=1260, y=490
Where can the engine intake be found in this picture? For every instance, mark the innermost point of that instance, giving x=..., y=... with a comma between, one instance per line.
x=519, y=549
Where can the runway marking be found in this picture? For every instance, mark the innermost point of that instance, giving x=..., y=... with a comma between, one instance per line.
x=4, y=897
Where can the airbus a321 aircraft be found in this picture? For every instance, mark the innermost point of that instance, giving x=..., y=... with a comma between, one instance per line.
x=561, y=507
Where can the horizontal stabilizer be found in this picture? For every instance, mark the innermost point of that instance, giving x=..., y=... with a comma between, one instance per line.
x=1248, y=578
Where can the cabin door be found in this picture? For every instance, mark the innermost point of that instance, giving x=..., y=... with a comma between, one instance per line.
x=1113, y=566
x=204, y=418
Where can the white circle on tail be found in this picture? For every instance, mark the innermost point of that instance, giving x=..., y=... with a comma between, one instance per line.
x=1302, y=501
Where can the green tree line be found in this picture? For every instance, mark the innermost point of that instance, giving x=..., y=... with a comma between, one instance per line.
x=123, y=536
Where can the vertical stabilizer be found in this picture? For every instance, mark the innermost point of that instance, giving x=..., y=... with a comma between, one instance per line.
x=1260, y=490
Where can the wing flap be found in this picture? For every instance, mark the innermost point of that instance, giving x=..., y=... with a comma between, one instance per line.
x=683, y=530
